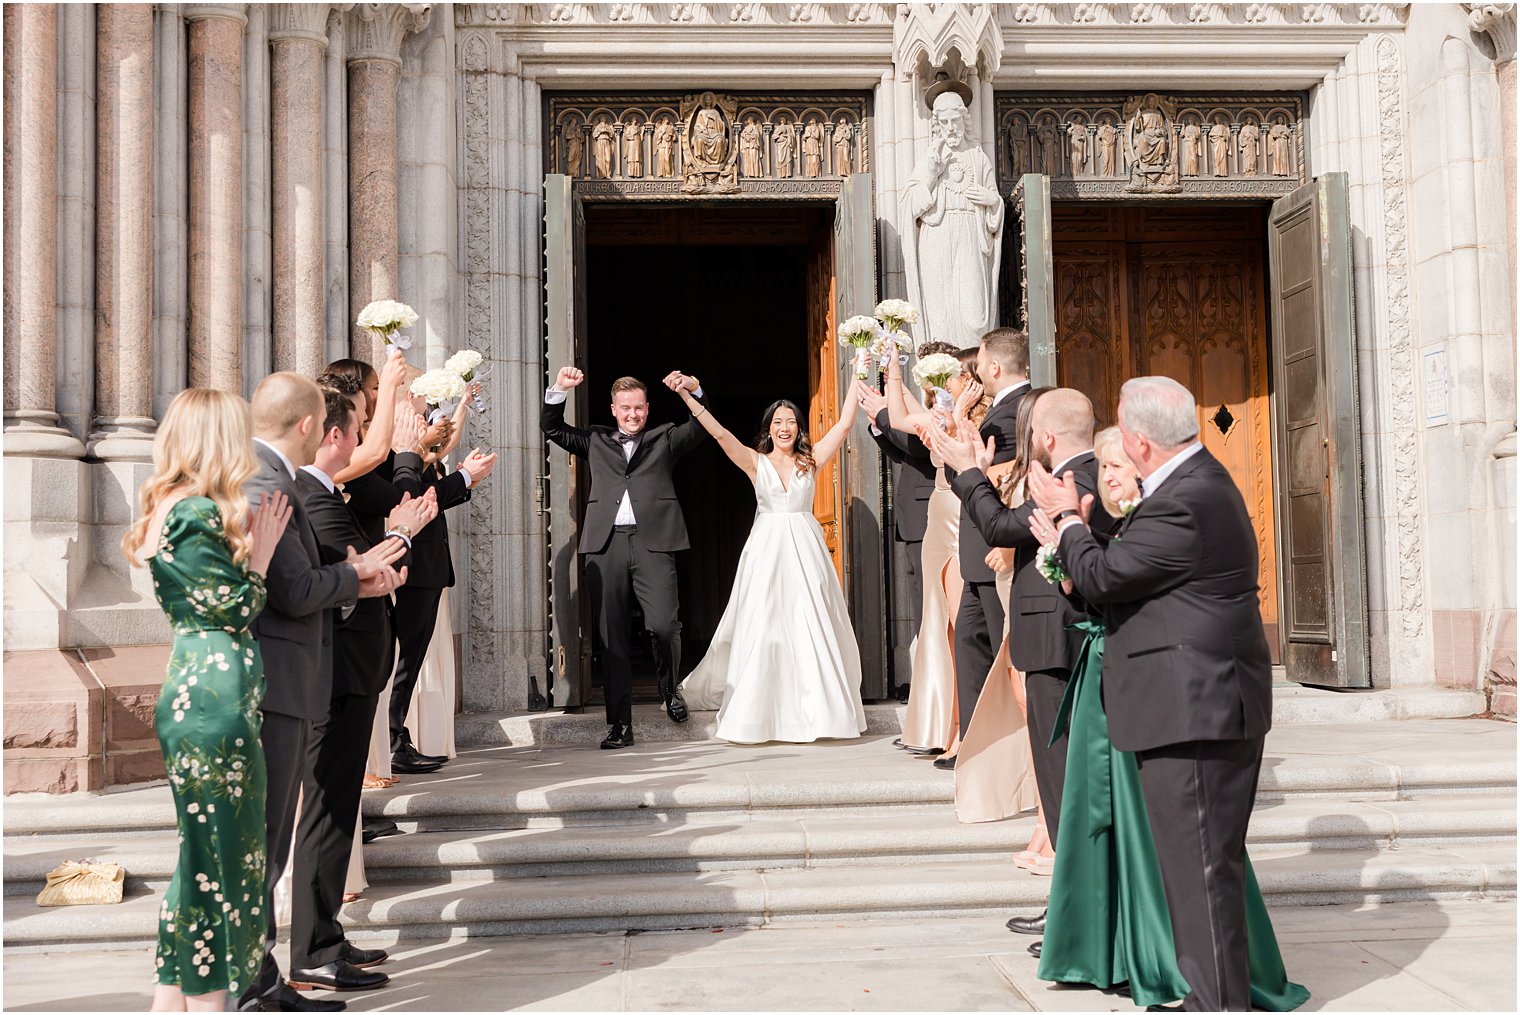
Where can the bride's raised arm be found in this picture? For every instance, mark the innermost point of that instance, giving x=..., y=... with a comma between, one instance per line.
x=827, y=446
x=742, y=456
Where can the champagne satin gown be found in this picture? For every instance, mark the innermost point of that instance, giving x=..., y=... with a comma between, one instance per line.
x=930, y=718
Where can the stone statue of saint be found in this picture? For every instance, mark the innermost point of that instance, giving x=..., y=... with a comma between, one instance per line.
x=633, y=148
x=1279, y=140
x=1219, y=147
x=1250, y=134
x=665, y=148
x=1050, y=148
x=1077, y=132
x=784, y=142
x=602, y=148
x=1108, y=146
x=749, y=149
x=575, y=147
x=812, y=148
x=708, y=140
x=1018, y=147
x=844, y=148
x=1192, y=148
x=954, y=243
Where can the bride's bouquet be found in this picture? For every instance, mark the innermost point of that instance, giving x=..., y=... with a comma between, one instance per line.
x=934, y=371
x=385, y=318
x=466, y=364
x=860, y=333
x=438, y=388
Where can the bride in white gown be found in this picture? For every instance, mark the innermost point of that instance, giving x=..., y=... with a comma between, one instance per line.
x=783, y=664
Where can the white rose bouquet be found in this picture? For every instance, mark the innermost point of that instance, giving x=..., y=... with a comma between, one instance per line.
x=934, y=371
x=860, y=333
x=385, y=318
x=438, y=388
x=466, y=363
x=895, y=313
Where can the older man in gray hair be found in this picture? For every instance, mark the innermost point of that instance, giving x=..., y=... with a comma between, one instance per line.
x=1187, y=682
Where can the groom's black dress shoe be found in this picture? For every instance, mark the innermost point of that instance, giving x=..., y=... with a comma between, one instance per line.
x=408, y=762
x=284, y=999
x=1027, y=924
x=675, y=705
x=362, y=957
x=1034, y=949
x=620, y=735
x=902, y=692
x=948, y=764
x=338, y=975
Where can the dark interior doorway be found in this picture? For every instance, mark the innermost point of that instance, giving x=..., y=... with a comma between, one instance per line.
x=720, y=292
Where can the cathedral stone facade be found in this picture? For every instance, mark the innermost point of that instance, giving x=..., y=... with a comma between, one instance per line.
x=1304, y=211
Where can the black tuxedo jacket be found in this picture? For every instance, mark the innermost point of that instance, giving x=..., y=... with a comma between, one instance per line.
x=432, y=564
x=915, y=479
x=1186, y=655
x=372, y=496
x=363, y=654
x=648, y=478
x=295, y=628
x=1039, y=638
x=1000, y=423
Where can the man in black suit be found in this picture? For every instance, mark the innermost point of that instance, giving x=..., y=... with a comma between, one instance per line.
x=1187, y=678
x=320, y=954
x=630, y=535
x=1041, y=643
x=295, y=637
x=910, y=499
x=1002, y=363
x=432, y=571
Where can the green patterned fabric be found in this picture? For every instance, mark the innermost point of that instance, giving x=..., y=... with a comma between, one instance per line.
x=1108, y=920
x=212, y=923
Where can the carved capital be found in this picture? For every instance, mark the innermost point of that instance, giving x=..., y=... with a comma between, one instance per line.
x=303, y=22
x=203, y=12
x=938, y=34
x=376, y=30
x=1497, y=21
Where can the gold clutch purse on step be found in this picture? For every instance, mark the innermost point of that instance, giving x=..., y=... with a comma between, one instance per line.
x=83, y=883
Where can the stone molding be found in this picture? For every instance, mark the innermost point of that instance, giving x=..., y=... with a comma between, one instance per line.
x=376, y=30
x=675, y=14
x=931, y=35
x=303, y=22
x=1497, y=21
x=1097, y=15
x=232, y=12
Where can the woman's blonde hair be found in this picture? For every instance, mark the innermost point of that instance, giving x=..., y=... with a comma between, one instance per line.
x=1105, y=442
x=204, y=448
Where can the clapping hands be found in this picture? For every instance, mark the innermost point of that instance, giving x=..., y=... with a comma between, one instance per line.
x=414, y=512
x=870, y=400
x=268, y=526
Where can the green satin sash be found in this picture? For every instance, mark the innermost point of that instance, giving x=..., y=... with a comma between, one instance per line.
x=1108, y=920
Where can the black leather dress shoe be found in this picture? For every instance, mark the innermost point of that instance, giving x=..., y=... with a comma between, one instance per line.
x=436, y=759
x=285, y=999
x=902, y=693
x=676, y=708
x=948, y=764
x=338, y=975
x=362, y=957
x=408, y=762
x=926, y=752
x=1027, y=924
x=1164, y=1007
x=620, y=735
x=1034, y=949
x=899, y=744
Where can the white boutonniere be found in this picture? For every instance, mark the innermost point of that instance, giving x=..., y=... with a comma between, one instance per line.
x=1127, y=507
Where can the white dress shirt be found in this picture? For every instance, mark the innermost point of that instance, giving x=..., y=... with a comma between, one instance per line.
x=1150, y=484
x=1009, y=391
x=278, y=454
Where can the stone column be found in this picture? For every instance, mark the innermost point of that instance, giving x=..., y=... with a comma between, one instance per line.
x=123, y=427
x=216, y=199
x=375, y=33
x=297, y=37
x=31, y=234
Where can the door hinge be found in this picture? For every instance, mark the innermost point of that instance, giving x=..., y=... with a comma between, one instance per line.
x=541, y=491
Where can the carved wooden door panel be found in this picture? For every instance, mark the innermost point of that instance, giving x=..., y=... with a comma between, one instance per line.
x=823, y=392
x=1319, y=471
x=563, y=487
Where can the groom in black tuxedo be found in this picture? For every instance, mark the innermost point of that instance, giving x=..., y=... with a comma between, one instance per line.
x=630, y=534
x=1002, y=363
x=1187, y=678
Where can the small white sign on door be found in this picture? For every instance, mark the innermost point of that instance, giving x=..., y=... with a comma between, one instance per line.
x=1434, y=377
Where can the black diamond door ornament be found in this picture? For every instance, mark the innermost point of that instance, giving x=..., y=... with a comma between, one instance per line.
x=1223, y=419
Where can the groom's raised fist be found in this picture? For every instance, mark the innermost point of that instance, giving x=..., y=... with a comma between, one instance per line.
x=568, y=378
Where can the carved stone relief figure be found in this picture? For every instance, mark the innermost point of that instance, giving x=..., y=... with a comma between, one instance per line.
x=1050, y=148
x=707, y=140
x=812, y=148
x=1077, y=133
x=749, y=149
x=1250, y=135
x=1192, y=149
x=1018, y=147
x=711, y=159
x=843, y=148
x=665, y=148
x=633, y=148
x=784, y=145
x=1279, y=144
x=1219, y=147
x=1108, y=148
x=1148, y=144
x=602, y=148
x=575, y=147
x=954, y=245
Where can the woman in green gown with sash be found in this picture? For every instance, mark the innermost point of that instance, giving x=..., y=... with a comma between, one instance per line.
x=1108, y=921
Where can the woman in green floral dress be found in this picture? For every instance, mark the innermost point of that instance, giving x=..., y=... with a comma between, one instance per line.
x=207, y=561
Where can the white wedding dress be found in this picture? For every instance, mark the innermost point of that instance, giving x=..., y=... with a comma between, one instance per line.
x=783, y=664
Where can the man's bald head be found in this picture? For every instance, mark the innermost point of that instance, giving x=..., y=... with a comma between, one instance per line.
x=282, y=401
x=1068, y=414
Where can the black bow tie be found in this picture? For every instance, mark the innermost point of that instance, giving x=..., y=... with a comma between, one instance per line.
x=625, y=438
